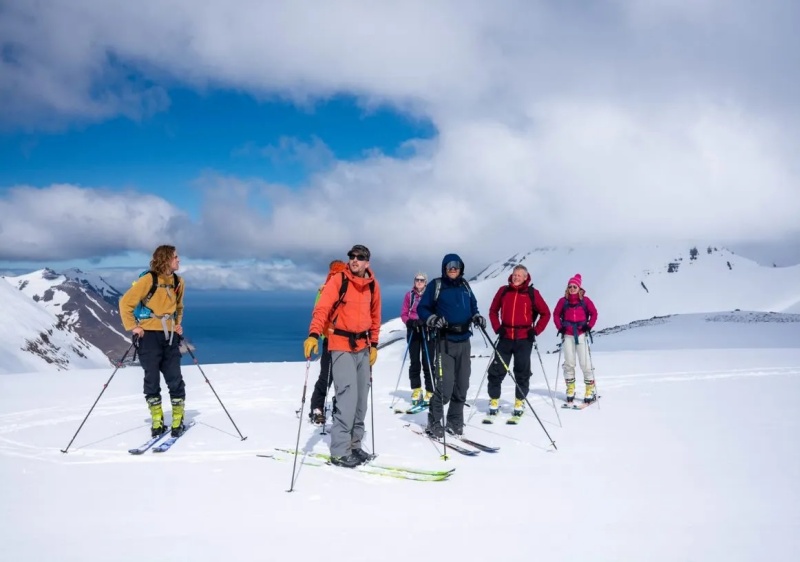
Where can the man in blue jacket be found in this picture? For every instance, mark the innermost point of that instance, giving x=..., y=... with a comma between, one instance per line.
x=449, y=307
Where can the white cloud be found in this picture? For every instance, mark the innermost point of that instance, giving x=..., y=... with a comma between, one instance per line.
x=557, y=123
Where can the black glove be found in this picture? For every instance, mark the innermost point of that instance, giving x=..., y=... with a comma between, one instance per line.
x=479, y=320
x=562, y=331
x=501, y=331
x=586, y=329
x=135, y=340
x=436, y=321
x=531, y=335
x=411, y=324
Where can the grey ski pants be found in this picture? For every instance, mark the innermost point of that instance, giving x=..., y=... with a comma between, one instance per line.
x=351, y=381
x=454, y=384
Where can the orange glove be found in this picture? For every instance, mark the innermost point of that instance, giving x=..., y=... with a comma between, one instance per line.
x=373, y=355
x=310, y=346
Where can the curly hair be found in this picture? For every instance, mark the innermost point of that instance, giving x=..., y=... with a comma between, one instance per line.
x=161, y=258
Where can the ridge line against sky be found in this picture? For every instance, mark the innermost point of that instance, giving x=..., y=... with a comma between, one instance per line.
x=282, y=133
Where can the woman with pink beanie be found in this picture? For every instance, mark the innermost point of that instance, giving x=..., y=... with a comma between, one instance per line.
x=574, y=316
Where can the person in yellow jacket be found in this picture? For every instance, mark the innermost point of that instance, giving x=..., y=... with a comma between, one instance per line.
x=157, y=334
x=353, y=345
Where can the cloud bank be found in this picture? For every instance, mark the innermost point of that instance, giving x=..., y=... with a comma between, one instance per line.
x=558, y=123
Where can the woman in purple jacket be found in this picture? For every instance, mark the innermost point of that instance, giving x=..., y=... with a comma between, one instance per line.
x=417, y=345
x=574, y=316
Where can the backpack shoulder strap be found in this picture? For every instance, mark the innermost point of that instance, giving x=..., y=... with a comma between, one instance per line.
x=153, y=287
x=437, y=288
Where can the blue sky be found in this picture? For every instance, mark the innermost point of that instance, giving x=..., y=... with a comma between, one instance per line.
x=265, y=140
x=222, y=131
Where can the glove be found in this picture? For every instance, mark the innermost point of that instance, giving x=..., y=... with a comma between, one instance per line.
x=185, y=346
x=531, y=335
x=414, y=324
x=311, y=345
x=373, y=355
x=479, y=320
x=562, y=331
x=501, y=331
x=436, y=321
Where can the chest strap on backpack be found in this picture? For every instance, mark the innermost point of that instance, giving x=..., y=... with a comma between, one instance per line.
x=352, y=337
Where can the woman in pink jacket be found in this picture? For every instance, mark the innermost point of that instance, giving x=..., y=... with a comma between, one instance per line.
x=418, y=350
x=574, y=316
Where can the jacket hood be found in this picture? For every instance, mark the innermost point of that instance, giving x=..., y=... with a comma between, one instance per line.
x=447, y=259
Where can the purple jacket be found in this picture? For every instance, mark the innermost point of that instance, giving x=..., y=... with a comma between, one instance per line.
x=409, y=310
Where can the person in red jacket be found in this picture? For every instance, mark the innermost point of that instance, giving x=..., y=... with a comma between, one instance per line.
x=518, y=314
x=575, y=315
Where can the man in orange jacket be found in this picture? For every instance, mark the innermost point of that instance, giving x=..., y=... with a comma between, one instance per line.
x=353, y=345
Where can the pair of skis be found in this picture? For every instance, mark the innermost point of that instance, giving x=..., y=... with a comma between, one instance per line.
x=513, y=420
x=578, y=405
x=159, y=444
x=474, y=448
x=311, y=458
x=412, y=410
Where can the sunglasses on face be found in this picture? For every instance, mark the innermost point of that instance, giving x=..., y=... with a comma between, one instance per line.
x=419, y=280
x=572, y=286
x=359, y=257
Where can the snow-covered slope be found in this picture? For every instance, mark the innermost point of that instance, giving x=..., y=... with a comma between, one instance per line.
x=34, y=339
x=632, y=283
x=83, y=303
x=688, y=456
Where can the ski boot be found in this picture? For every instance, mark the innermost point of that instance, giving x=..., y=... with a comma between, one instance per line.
x=416, y=396
x=519, y=408
x=350, y=461
x=426, y=400
x=570, y=391
x=178, y=408
x=317, y=417
x=362, y=455
x=494, y=406
x=590, y=395
x=156, y=415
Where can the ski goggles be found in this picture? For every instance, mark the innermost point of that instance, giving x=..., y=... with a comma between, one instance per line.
x=452, y=265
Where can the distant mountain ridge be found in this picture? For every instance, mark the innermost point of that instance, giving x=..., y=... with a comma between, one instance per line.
x=84, y=314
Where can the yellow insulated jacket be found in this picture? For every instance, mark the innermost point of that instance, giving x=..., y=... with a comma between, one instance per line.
x=163, y=302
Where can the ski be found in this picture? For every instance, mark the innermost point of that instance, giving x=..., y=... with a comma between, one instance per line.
x=412, y=410
x=489, y=419
x=449, y=444
x=480, y=446
x=578, y=405
x=513, y=420
x=164, y=447
x=402, y=472
x=144, y=447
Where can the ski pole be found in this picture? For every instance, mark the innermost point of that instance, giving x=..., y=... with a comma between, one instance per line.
x=552, y=399
x=300, y=424
x=326, y=353
x=189, y=349
x=508, y=370
x=441, y=377
x=397, y=386
x=594, y=377
x=426, y=344
x=480, y=386
x=119, y=364
x=558, y=364
x=372, y=412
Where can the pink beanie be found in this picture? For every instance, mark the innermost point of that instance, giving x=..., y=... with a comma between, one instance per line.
x=575, y=280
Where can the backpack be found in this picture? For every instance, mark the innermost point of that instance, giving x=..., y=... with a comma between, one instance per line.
x=568, y=304
x=437, y=286
x=343, y=290
x=141, y=312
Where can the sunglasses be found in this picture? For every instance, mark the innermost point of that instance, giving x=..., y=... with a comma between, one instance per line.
x=418, y=280
x=572, y=286
x=359, y=257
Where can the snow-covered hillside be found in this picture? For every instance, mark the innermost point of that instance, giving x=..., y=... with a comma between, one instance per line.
x=685, y=457
x=633, y=283
x=34, y=339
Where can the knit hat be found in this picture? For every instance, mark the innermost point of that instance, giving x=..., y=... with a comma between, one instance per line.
x=421, y=275
x=575, y=280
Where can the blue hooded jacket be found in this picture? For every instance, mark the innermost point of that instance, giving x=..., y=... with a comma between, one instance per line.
x=456, y=303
